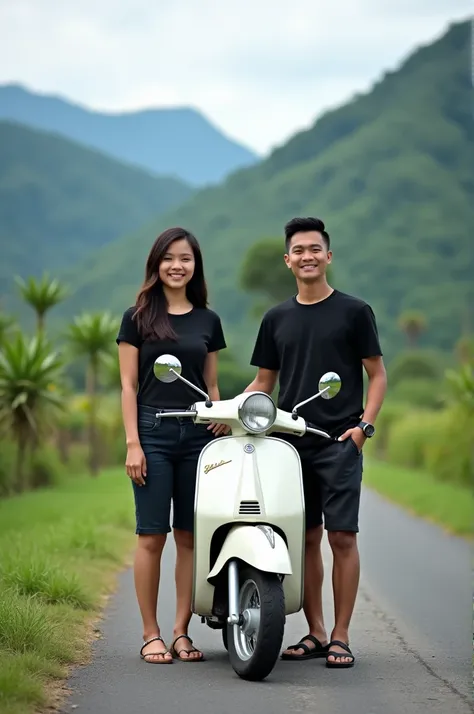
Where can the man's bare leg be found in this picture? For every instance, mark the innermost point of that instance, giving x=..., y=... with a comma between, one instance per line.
x=313, y=585
x=345, y=580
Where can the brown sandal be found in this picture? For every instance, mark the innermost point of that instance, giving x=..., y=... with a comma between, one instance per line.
x=155, y=654
x=193, y=649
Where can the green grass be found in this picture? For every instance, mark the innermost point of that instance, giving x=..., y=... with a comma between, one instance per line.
x=448, y=505
x=60, y=549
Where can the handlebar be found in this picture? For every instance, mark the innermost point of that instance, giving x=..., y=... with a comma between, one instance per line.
x=192, y=413
x=319, y=432
x=187, y=413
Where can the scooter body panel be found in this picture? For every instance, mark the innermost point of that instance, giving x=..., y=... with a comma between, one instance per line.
x=248, y=480
x=259, y=546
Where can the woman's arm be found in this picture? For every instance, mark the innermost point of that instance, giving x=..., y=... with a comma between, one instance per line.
x=211, y=380
x=210, y=376
x=128, y=360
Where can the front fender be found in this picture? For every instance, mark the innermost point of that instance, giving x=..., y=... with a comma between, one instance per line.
x=250, y=544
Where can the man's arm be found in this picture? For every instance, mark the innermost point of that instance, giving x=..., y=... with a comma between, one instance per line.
x=264, y=381
x=376, y=373
x=266, y=358
x=377, y=388
x=369, y=350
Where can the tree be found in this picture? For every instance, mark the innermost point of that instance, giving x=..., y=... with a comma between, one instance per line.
x=464, y=349
x=6, y=324
x=30, y=394
x=42, y=295
x=461, y=384
x=264, y=272
x=415, y=365
x=111, y=372
x=413, y=323
x=93, y=335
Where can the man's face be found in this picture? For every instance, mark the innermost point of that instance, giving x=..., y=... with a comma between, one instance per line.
x=308, y=256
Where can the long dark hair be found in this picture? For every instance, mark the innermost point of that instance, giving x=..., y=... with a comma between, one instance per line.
x=151, y=305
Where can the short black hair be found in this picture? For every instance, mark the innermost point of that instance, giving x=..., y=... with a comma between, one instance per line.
x=305, y=225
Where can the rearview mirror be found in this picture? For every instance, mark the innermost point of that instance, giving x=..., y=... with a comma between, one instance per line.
x=167, y=368
x=331, y=382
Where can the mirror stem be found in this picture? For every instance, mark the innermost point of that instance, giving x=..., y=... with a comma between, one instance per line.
x=190, y=384
x=294, y=414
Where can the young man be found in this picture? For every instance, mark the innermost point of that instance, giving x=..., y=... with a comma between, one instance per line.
x=319, y=330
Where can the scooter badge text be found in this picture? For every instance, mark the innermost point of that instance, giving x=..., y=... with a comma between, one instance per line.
x=209, y=467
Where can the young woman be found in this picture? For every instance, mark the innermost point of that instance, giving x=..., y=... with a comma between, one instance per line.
x=170, y=317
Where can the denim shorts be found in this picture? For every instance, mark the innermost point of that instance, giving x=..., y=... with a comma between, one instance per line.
x=172, y=446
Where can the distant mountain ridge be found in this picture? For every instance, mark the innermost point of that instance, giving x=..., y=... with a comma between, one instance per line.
x=391, y=174
x=178, y=142
x=59, y=201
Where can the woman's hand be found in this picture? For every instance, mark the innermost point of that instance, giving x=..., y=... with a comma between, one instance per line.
x=219, y=429
x=135, y=464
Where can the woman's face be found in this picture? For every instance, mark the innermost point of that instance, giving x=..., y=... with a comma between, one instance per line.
x=177, y=266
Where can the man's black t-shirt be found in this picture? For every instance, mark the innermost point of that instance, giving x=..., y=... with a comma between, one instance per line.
x=303, y=342
x=199, y=332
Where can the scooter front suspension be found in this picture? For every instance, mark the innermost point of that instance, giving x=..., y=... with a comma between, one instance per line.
x=233, y=585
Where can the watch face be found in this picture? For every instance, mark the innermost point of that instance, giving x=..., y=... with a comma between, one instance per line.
x=369, y=430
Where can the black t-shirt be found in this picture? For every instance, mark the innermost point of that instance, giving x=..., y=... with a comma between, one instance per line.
x=303, y=342
x=199, y=332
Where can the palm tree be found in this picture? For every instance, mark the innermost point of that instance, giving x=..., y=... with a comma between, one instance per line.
x=30, y=394
x=111, y=374
x=413, y=323
x=93, y=336
x=42, y=295
x=6, y=323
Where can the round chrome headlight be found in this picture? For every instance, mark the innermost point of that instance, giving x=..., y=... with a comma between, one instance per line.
x=257, y=412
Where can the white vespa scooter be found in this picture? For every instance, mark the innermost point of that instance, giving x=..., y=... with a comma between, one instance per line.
x=249, y=520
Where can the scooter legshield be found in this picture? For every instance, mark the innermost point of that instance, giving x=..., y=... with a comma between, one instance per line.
x=259, y=546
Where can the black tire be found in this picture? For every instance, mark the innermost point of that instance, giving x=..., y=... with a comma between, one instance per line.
x=224, y=637
x=269, y=638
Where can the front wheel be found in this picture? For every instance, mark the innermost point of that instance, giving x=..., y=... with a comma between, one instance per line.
x=254, y=645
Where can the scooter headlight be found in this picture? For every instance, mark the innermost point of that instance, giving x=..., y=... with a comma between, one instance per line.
x=257, y=412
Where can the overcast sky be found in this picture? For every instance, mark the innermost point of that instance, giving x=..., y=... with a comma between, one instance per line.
x=258, y=73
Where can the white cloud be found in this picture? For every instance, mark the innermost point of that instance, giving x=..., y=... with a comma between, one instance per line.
x=257, y=72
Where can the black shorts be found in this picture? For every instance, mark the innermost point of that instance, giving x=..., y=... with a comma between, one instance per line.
x=332, y=480
x=172, y=447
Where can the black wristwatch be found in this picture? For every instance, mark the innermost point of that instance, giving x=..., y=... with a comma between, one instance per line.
x=368, y=429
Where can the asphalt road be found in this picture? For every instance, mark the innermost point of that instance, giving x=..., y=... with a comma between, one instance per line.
x=411, y=634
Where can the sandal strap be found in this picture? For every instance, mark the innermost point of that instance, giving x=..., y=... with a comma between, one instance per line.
x=301, y=645
x=342, y=645
x=186, y=637
x=152, y=639
x=193, y=649
x=314, y=640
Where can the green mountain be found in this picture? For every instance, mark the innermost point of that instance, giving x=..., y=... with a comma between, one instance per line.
x=391, y=174
x=58, y=201
x=169, y=141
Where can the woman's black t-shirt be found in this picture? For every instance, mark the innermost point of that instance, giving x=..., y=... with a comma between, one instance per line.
x=198, y=333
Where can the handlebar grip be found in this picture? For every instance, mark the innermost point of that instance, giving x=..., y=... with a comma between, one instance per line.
x=313, y=429
x=187, y=413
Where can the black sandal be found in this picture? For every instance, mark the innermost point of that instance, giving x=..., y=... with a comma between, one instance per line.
x=318, y=650
x=155, y=654
x=193, y=649
x=339, y=655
